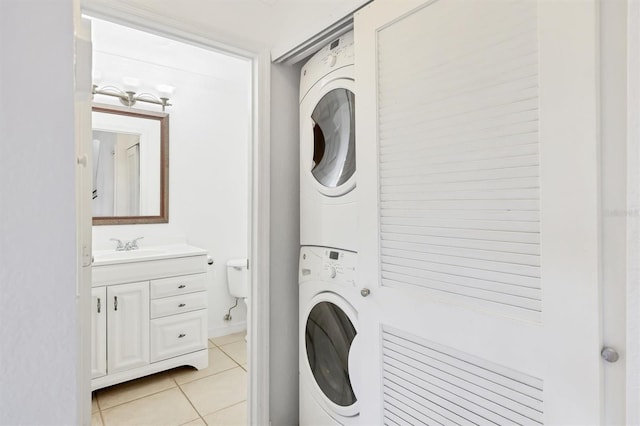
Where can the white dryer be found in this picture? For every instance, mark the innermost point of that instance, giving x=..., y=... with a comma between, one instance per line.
x=327, y=147
x=328, y=327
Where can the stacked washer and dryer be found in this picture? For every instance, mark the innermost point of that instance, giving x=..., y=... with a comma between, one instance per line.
x=328, y=233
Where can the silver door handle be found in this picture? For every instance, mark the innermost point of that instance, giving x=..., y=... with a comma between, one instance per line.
x=365, y=292
x=609, y=354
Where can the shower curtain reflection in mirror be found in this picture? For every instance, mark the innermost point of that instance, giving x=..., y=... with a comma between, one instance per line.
x=116, y=174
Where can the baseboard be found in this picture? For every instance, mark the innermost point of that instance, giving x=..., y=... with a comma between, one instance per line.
x=229, y=329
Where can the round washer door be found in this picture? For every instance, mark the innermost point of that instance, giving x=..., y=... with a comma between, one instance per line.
x=330, y=137
x=328, y=333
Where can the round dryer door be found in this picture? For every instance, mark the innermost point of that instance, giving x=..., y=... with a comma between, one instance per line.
x=328, y=337
x=334, y=147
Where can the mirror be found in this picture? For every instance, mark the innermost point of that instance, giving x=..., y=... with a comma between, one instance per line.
x=130, y=166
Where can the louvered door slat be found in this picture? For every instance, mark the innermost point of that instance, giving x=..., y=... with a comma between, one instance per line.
x=466, y=166
x=498, y=246
x=473, y=234
x=484, y=411
x=471, y=388
x=523, y=383
x=523, y=259
x=419, y=408
x=495, y=140
x=396, y=275
x=489, y=184
x=501, y=406
x=431, y=222
x=405, y=411
x=416, y=365
x=506, y=300
x=454, y=260
x=499, y=215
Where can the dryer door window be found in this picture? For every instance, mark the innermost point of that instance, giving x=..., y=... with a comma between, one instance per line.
x=328, y=337
x=334, y=148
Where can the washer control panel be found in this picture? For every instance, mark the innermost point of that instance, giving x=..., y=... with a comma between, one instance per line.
x=339, y=53
x=327, y=264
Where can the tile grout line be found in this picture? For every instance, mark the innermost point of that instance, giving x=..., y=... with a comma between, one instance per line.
x=99, y=408
x=224, y=408
x=191, y=403
x=232, y=358
x=140, y=397
x=101, y=417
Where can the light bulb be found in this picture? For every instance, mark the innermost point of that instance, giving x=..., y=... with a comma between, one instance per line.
x=165, y=90
x=131, y=84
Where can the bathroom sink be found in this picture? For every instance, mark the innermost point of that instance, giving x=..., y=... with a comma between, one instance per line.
x=131, y=254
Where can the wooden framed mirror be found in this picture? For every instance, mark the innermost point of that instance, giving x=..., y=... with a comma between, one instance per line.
x=130, y=166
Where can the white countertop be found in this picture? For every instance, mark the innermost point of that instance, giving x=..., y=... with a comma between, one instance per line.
x=110, y=257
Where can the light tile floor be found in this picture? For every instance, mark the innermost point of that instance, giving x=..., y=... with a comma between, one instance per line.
x=214, y=396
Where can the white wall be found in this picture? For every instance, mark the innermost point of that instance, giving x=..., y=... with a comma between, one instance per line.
x=38, y=316
x=285, y=244
x=208, y=154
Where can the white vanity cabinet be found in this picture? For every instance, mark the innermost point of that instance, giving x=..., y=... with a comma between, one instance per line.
x=149, y=314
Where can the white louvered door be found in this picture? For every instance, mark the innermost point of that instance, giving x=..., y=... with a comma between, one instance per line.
x=478, y=175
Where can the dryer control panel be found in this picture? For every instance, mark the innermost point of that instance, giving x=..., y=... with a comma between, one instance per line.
x=337, y=54
x=327, y=264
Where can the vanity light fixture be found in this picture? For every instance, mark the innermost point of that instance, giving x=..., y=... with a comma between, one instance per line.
x=129, y=97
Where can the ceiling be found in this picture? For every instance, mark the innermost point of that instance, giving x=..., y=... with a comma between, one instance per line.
x=246, y=24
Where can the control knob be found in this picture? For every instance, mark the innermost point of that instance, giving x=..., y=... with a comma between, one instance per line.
x=332, y=271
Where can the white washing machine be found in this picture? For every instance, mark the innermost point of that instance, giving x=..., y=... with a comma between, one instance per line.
x=328, y=328
x=327, y=147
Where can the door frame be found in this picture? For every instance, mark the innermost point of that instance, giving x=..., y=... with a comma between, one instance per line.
x=633, y=215
x=259, y=194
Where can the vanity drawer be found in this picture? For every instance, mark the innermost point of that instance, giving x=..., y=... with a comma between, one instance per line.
x=178, y=304
x=174, y=286
x=178, y=334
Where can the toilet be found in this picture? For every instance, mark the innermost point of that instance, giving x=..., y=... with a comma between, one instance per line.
x=238, y=280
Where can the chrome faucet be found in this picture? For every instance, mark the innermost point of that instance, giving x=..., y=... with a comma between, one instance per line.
x=119, y=246
x=133, y=244
x=129, y=245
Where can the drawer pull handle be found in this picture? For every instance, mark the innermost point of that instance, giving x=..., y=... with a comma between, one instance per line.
x=181, y=335
x=181, y=286
x=115, y=303
x=182, y=305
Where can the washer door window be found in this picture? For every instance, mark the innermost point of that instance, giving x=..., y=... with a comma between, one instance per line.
x=328, y=336
x=334, y=148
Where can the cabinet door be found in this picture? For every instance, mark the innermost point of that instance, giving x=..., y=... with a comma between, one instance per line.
x=477, y=126
x=98, y=332
x=128, y=326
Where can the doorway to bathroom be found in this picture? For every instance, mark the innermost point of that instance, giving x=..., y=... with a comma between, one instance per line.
x=210, y=204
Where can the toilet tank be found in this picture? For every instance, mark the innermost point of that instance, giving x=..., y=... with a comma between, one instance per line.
x=238, y=277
